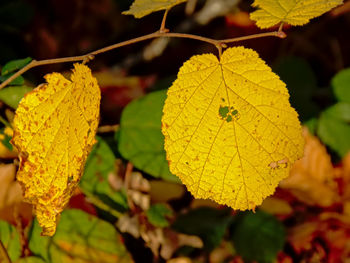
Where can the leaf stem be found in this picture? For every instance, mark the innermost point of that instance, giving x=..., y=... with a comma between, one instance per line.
x=254, y=36
x=280, y=28
x=162, y=25
x=161, y=33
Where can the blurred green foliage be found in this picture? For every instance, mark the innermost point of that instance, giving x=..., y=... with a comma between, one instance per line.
x=140, y=139
x=258, y=236
x=79, y=237
x=10, y=239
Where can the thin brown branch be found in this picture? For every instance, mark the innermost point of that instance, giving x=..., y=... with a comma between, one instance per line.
x=162, y=25
x=36, y=63
x=125, y=43
x=190, y=36
x=162, y=33
x=254, y=36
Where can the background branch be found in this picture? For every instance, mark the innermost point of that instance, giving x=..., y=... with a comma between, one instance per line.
x=161, y=33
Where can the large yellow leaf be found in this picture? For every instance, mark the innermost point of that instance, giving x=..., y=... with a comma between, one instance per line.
x=293, y=12
x=141, y=8
x=54, y=130
x=230, y=132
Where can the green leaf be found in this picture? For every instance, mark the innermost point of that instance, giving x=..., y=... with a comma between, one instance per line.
x=14, y=65
x=333, y=131
x=30, y=260
x=16, y=82
x=80, y=237
x=208, y=223
x=11, y=240
x=339, y=111
x=258, y=236
x=13, y=95
x=100, y=163
x=6, y=139
x=341, y=85
x=301, y=83
x=140, y=139
x=157, y=213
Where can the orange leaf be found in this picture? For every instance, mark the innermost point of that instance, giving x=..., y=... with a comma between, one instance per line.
x=311, y=178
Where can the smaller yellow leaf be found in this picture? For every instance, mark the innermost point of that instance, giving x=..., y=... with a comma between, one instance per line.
x=295, y=13
x=141, y=8
x=54, y=130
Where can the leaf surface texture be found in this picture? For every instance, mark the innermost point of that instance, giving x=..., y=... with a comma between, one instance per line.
x=230, y=132
x=293, y=12
x=141, y=8
x=54, y=130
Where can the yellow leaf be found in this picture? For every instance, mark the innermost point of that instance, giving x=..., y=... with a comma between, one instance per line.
x=141, y=8
x=54, y=130
x=230, y=132
x=293, y=12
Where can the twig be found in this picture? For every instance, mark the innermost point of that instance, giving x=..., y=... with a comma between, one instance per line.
x=259, y=35
x=4, y=257
x=87, y=57
x=219, y=47
x=162, y=25
x=280, y=32
x=280, y=27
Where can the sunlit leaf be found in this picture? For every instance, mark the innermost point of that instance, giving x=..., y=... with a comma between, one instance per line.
x=296, y=12
x=230, y=132
x=82, y=238
x=54, y=130
x=140, y=8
